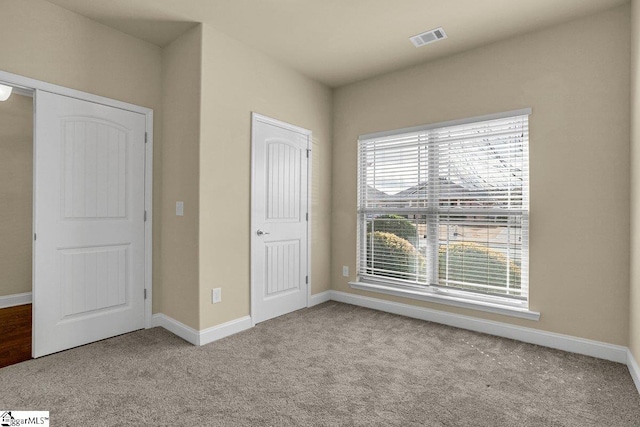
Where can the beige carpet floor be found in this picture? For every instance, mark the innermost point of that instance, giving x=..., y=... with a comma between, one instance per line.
x=333, y=364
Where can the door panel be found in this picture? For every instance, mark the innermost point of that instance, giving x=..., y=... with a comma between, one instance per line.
x=283, y=165
x=94, y=279
x=282, y=267
x=89, y=220
x=279, y=219
x=94, y=169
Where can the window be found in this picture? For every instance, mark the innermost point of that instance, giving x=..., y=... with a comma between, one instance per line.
x=444, y=209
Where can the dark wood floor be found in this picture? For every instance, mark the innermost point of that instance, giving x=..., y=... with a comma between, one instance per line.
x=15, y=334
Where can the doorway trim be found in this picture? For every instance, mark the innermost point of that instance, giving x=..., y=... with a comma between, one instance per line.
x=255, y=118
x=34, y=85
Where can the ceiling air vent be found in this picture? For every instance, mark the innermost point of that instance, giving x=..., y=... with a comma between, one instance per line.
x=428, y=37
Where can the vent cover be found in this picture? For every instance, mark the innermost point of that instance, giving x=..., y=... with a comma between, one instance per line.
x=428, y=37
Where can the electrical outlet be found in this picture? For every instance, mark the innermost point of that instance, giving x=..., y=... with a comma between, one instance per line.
x=345, y=270
x=216, y=295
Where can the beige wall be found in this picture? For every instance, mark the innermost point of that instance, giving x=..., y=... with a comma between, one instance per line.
x=16, y=192
x=634, y=309
x=577, y=82
x=45, y=42
x=181, y=73
x=236, y=81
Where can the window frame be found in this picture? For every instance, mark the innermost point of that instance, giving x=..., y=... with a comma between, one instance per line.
x=518, y=307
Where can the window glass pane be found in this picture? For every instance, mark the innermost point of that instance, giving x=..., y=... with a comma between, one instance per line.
x=393, y=170
x=447, y=207
x=481, y=253
x=395, y=247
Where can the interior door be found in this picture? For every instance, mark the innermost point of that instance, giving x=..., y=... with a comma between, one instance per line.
x=89, y=222
x=279, y=218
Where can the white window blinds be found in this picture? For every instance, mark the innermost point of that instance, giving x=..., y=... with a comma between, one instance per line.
x=446, y=207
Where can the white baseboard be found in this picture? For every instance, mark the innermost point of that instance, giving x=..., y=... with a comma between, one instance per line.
x=15, y=299
x=204, y=336
x=615, y=353
x=319, y=298
x=185, y=332
x=224, y=330
x=634, y=369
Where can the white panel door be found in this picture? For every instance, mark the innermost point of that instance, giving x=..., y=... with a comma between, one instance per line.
x=279, y=218
x=89, y=222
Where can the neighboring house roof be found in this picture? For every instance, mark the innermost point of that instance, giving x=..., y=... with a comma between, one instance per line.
x=375, y=194
x=421, y=188
x=449, y=189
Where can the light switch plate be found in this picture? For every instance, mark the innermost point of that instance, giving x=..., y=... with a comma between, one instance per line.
x=345, y=270
x=216, y=295
x=179, y=208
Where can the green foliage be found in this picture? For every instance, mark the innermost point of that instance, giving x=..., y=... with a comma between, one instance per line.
x=391, y=252
x=395, y=224
x=474, y=263
x=392, y=256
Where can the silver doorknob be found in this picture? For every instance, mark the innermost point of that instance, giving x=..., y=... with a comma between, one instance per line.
x=260, y=232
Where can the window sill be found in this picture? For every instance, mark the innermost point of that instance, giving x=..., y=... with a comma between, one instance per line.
x=425, y=295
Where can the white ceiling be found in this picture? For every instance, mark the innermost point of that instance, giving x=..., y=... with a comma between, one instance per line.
x=339, y=41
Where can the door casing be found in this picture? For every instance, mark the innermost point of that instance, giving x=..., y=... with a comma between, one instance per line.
x=30, y=84
x=256, y=117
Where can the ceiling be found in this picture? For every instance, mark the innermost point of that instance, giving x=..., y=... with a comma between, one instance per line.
x=339, y=41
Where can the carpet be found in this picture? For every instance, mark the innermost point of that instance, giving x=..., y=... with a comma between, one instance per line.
x=333, y=364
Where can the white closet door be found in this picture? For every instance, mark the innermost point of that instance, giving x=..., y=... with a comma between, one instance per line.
x=279, y=217
x=89, y=222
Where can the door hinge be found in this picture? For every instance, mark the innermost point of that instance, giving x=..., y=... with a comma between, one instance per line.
x=308, y=151
x=145, y=293
x=35, y=236
x=145, y=216
x=146, y=137
x=307, y=216
x=306, y=279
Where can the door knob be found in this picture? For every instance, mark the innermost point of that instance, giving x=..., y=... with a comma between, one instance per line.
x=260, y=232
